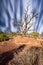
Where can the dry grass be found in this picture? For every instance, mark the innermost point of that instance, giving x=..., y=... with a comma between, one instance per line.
x=30, y=56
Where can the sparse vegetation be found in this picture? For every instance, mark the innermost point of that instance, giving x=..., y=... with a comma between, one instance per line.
x=3, y=37
x=11, y=34
x=35, y=34
x=32, y=56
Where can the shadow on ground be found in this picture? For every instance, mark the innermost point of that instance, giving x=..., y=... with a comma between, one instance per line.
x=7, y=56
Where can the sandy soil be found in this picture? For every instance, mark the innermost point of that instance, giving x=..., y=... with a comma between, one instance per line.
x=16, y=45
x=16, y=41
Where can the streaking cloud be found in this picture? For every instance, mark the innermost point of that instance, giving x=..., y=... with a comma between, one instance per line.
x=38, y=7
x=13, y=10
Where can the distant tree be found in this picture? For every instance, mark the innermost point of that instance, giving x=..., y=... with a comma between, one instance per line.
x=27, y=21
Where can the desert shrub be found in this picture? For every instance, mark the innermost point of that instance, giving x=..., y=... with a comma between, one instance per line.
x=11, y=34
x=35, y=34
x=1, y=32
x=3, y=37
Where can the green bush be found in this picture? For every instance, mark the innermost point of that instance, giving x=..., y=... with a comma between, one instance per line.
x=10, y=34
x=3, y=37
x=35, y=34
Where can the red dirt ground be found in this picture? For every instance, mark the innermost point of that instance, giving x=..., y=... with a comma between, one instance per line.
x=16, y=41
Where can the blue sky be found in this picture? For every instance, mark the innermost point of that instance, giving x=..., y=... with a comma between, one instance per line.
x=14, y=9
x=38, y=7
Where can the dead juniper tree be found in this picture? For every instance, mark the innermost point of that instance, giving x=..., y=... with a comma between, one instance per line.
x=26, y=24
